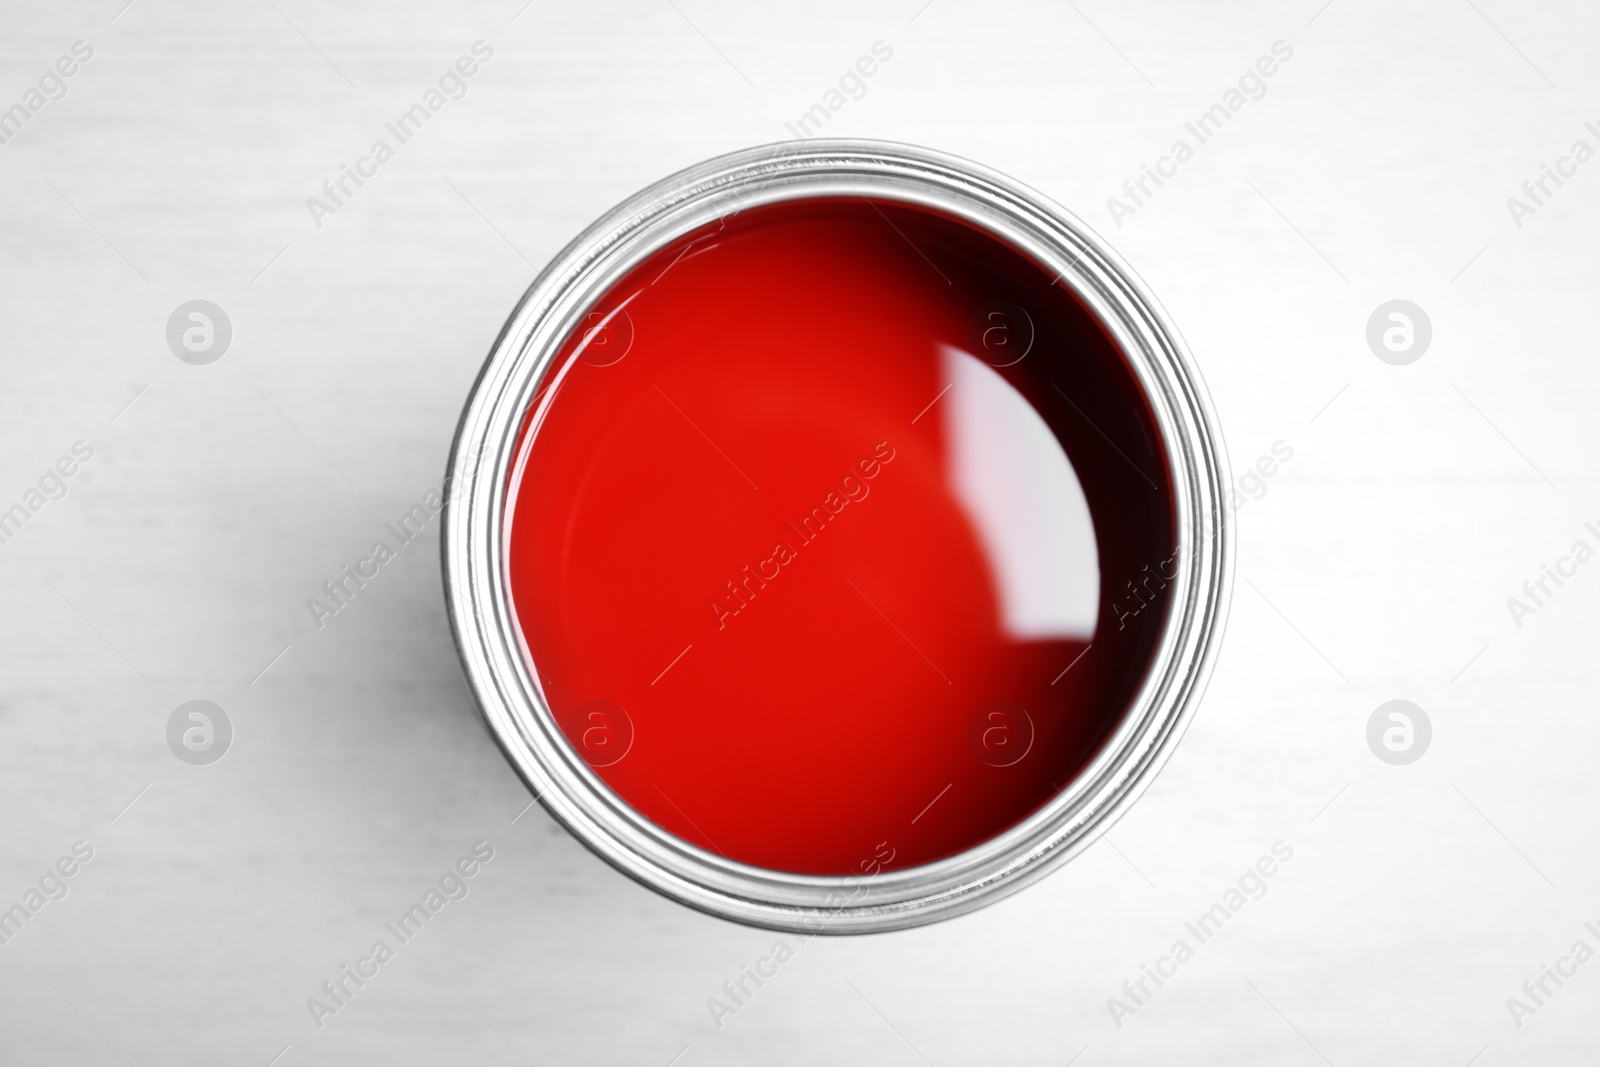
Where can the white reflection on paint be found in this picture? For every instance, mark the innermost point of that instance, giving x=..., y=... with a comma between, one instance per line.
x=1018, y=487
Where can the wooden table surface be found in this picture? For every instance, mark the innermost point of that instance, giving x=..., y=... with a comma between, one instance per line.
x=1375, y=564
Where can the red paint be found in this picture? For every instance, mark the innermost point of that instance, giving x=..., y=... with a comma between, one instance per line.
x=769, y=366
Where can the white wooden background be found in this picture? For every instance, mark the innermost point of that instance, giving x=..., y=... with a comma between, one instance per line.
x=1375, y=566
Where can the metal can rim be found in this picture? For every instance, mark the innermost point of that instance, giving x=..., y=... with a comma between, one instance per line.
x=496, y=663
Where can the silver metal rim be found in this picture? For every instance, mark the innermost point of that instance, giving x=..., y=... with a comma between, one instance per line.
x=484, y=451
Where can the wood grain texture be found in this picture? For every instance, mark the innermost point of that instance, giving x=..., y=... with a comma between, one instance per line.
x=177, y=565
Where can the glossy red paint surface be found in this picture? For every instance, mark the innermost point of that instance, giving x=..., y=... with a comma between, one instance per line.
x=838, y=538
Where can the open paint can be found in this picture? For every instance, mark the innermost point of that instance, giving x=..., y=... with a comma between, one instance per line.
x=836, y=539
